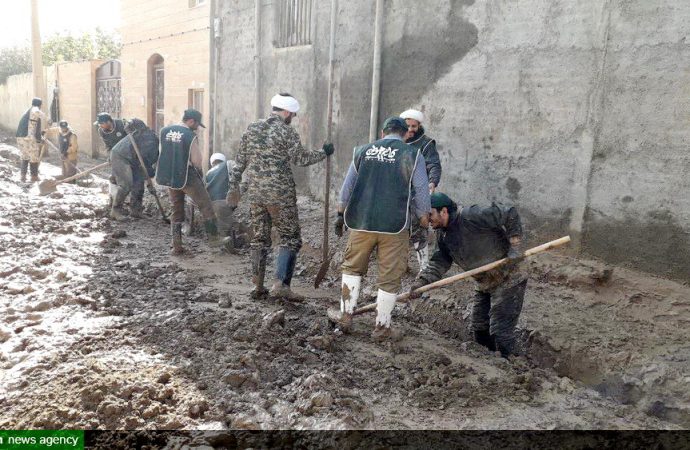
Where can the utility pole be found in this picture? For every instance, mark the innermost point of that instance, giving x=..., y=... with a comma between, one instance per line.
x=37, y=55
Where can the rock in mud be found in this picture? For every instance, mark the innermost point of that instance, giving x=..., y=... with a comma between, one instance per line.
x=273, y=318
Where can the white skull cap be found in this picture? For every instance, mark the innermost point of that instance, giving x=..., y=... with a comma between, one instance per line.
x=218, y=157
x=413, y=114
x=285, y=102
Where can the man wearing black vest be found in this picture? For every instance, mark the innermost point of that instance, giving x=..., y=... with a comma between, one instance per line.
x=30, y=131
x=217, y=185
x=110, y=130
x=69, y=149
x=472, y=237
x=417, y=138
x=375, y=204
x=179, y=168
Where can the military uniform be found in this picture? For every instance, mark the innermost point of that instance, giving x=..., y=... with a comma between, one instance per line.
x=266, y=150
x=30, y=140
x=476, y=236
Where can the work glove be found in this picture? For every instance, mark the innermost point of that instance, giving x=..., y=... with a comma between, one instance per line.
x=328, y=148
x=233, y=198
x=339, y=225
x=416, y=285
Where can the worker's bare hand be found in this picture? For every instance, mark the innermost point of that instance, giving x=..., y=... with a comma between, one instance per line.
x=424, y=221
x=339, y=225
x=432, y=188
x=416, y=285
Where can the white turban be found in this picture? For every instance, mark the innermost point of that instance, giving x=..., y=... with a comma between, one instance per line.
x=285, y=102
x=217, y=157
x=413, y=114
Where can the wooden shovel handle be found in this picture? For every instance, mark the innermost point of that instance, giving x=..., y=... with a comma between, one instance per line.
x=461, y=276
x=81, y=174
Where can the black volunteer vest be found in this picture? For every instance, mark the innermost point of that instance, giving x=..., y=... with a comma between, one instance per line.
x=63, y=140
x=115, y=136
x=176, y=141
x=23, y=128
x=218, y=182
x=381, y=195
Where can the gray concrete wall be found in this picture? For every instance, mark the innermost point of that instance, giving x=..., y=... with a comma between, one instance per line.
x=576, y=112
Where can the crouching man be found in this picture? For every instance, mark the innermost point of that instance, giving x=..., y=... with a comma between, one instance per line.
x=217, y=185
x=472, y=237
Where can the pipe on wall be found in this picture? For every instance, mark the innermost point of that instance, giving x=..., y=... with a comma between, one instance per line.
x=376, y=72
x=257, y=59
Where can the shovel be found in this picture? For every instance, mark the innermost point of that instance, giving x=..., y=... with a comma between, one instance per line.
x=49, y=186
x=68, y=161
x=149, y=183
x=329, y=124
x=334, y=315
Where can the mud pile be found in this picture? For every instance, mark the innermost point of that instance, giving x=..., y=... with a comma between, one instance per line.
x=101, y=328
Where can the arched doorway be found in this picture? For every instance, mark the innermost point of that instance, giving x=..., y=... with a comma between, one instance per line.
x=156, y=92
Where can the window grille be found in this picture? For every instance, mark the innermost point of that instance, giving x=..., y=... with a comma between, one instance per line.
x=293, y=23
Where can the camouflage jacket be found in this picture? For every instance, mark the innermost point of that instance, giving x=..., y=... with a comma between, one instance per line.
x=266, y=150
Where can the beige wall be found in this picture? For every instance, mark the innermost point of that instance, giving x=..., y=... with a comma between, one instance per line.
x=179, y=34
x=16, y=94
x=77, y=85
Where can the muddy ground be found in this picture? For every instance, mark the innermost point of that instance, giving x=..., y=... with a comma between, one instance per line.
x=102, y=329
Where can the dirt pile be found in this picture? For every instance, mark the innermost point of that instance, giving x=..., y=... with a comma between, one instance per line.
x=102, y=328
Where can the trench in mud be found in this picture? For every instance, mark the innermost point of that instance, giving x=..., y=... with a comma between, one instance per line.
x=164, y=343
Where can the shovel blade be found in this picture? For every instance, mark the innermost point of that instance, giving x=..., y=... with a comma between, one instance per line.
x=323, y=270
x=46, y=187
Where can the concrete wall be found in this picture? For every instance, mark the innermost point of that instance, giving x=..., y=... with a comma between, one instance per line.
x=180, y=35
x=77, y=84
x=16, y=94
x=576, y=112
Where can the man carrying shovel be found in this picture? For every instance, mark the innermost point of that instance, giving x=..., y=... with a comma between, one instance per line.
x=128, y=171
x=472, y=237
x=375, y=203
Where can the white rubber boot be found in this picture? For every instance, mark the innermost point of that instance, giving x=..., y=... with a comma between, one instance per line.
x=351, y=287
x=422, y=257
x=385, y=302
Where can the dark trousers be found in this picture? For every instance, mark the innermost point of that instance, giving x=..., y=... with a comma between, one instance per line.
x=497, y=311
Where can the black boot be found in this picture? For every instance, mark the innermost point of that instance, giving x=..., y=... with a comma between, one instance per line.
x=504, y=346
x=23, y=169
x=34, y=171
x=285, y=267
x=483, y=337
x=176, y=232
x=258, y=260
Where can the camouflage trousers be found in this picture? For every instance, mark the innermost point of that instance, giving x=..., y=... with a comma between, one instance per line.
x=30, y=149
x=497, y=310
x=284, y=216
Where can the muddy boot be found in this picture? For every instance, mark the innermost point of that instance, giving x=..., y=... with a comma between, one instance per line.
x=176, y=232
x=228, y=245
x=23, y=169
x=212, y=233
x=118, y=213
x=285, y=267
x=34, y=171
x=485, y=339
x=382, y=334
x=258, y=259
x=350, y=289
x=136, y=208
x=504, y=346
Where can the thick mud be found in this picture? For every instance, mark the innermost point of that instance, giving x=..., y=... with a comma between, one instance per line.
x=102, y=329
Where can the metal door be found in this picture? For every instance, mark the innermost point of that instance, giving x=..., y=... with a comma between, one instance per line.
x=108, y=94
x=158, y=96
